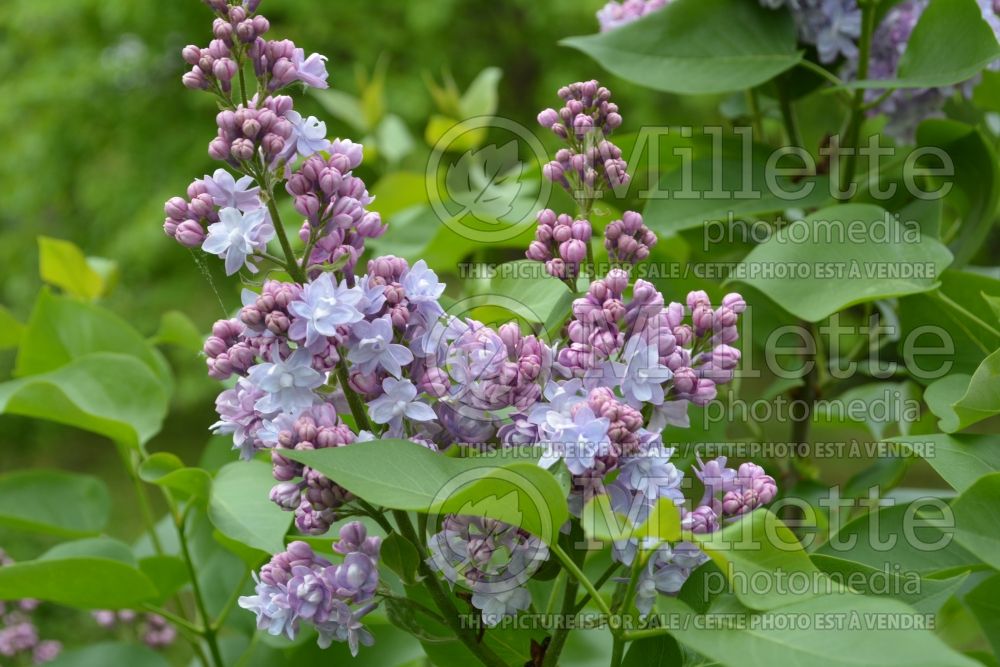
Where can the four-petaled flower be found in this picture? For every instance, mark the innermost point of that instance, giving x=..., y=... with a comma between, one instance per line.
x=398, y=401
x=372, y=348
x=324, y=306
x=238, y=235
x=287, y=384
x=227, y=192
x=312, y=70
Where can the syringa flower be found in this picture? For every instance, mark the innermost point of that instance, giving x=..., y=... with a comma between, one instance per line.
x=577, y=439
x=398, y=401
x=423, y=289
x=643, y=377
x=312, y=70
x=238, y=416
x=345, y=626
x=372, y=348
x=227, y=192
x=308, y=136
x=271, y=606
x=237, y=236
x=287, y=384
x=324, y=306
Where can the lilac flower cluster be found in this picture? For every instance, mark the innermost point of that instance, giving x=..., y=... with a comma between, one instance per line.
x=561, y=243
x=584, y=122
x=299, y=586
x=492, y=559
x=326, y=340
x=154, y=630
x=834, y=28
x=617, y=13
x=19, y=639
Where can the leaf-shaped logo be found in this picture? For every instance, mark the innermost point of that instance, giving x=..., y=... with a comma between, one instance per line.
x=486, y=182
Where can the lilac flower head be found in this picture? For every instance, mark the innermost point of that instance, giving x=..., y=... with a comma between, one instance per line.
x=423, y=289
x=271, y=606
x=308, y=137
x=287, y=384
x=227, y=192
x=372, y=348
x=398, y=401
x=577, y=439
x=312, y=70
x=345, y=626
x=237, y=236
x=324, y=306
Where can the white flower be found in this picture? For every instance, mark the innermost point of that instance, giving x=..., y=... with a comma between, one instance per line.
x=227, y=192
x=287, y=384
x=238, y=235
x=324, y=306
x=495, y=606
x=398, y=401
x=372, y=348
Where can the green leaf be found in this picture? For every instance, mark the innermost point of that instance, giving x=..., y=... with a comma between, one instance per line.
x=166, y=470
x=697, y=46
x=400, y=474
x=401, y=557
x=799, y=270
x=114, y=395
x=168, y=573
x=773, y=638
x=241, y=510
x=977, y=515
x=393, y=139
x=518, y=290
x=959, y=459
x=91, y=574
x=111, y=653
x=941, y=396
x=661, y=651
x=10, y=329
x=984, y=601
x=743, y=193
x=481, y=98
x=925, y=595
x=64, y=265
x=760, y=548
x=342, y=106
x=975, y=192
x=62, y=329
x=901, y=537
x=176, y=328
x=982, y=398
x=54, y=502
x=950, y=44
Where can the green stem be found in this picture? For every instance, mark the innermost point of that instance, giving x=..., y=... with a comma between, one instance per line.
x=578, y=574
x=788, y=115
x=857, y=112
x=603, y=579
x=753, y=105
x=448, y=609
x=559, y=637
x=179, y=621
x=644, y=634
x=231, y=602
x=617, y=651
x=353, y=399
x=294, y=270
x=209, y=632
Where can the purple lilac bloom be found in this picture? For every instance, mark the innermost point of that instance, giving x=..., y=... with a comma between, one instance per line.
x=310, y=71
x=398, y=400
x=227, y=192
x=617, y=13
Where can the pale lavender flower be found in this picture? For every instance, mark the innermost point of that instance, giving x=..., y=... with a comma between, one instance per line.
x=345, y=626
x=423, y=289
x=237, y=416
x=323, y=307
x=643, y=376
x=308, y=595
x=576, y=439
x=398, y=401
x=372, y=348
x=227, y=192
x=497, y=605
x=238, y=235
x=308, y=137
x=615, y=14
x=312, y=70
x=271, y=606
x=287, y=384
x=652, y=474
